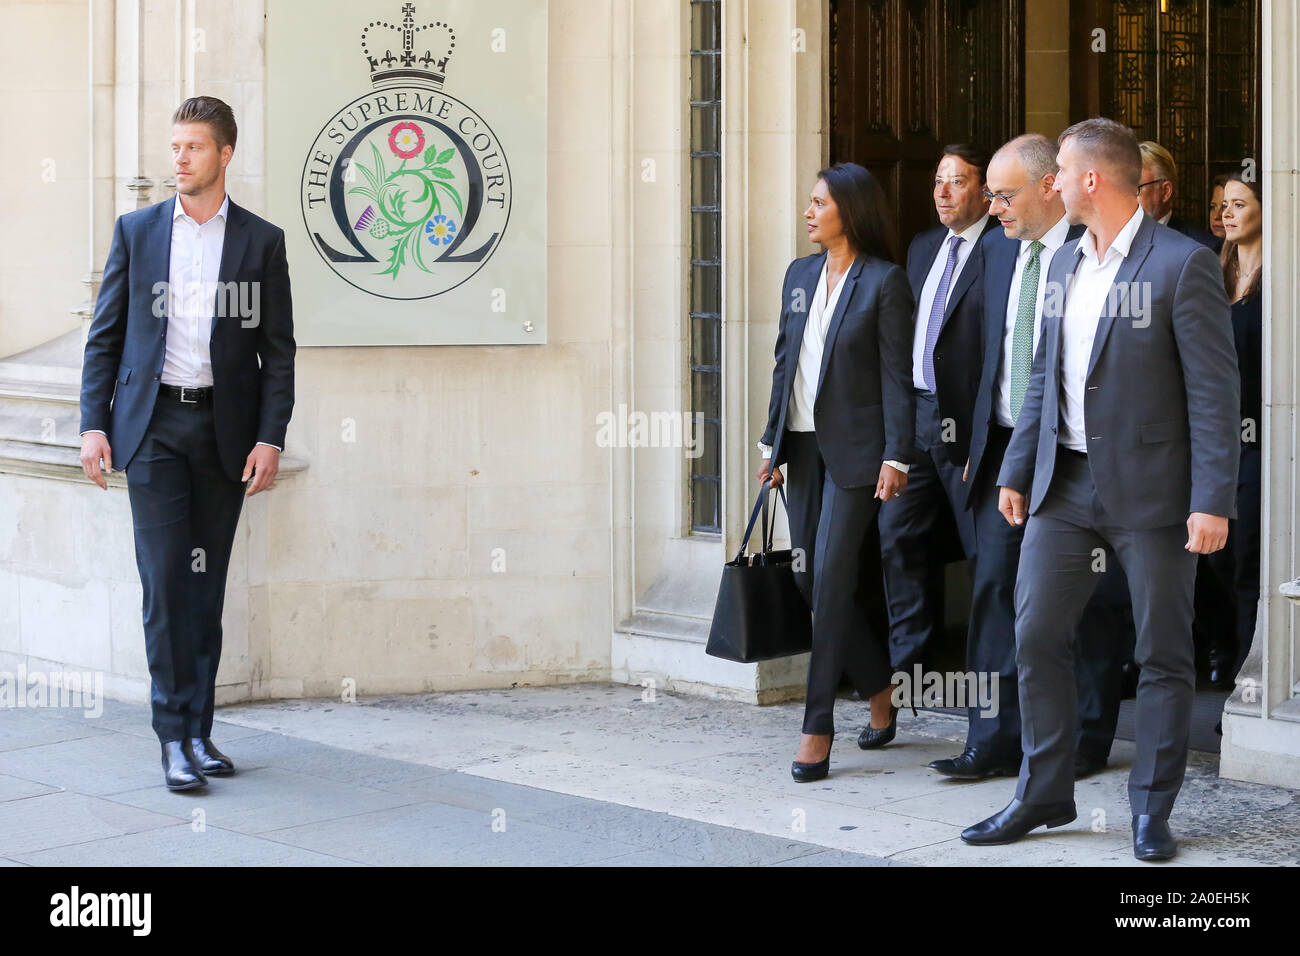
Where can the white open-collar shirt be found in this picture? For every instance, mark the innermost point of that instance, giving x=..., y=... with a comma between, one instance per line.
x=1087, y=296
x=195, y=266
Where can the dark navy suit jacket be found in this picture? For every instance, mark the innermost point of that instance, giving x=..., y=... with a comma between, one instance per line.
x=957, y=352
x=252, y=356
x=1000, y=255
x=865, y=406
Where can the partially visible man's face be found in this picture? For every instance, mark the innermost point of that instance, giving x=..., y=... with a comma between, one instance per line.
x=196, y=160
x=1034, y=207
x=1072, y=182
x=958, y=195
x=1157, y=198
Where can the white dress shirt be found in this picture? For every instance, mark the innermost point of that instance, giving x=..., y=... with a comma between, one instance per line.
x=191, y=298
x=1088, y=290
x=194, y=268
x=925, y=303
x=1052, y=240
x=807, y=375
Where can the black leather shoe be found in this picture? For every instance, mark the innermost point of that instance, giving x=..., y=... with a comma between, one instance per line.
x=211, y=760
x=1085, y=766
x=1015, y=820
x=811, y=772
x=973, y=765
x=873, y=737
x=1220, y=668
x=180, y=769
x=1152, y=839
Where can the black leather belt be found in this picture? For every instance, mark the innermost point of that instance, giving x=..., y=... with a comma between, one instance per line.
x=1071, y=451
x=189, y=394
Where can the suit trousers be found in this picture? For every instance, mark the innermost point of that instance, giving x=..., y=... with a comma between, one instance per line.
x=908, y=532
x=1053, y=585
x=1106, y=639
x=184, y=509
x=829, y=524
x=1105, y=634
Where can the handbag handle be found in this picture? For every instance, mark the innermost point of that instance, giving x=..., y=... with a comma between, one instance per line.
x=768, y=525
x=761, y=503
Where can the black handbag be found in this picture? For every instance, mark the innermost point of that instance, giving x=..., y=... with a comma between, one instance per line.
x=760, y=613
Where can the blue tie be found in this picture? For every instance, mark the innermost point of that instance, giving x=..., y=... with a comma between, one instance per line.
x=936, y=314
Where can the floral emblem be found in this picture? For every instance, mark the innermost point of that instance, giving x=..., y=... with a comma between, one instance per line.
x=440, y=230
x=406, y=140
x=407, y=202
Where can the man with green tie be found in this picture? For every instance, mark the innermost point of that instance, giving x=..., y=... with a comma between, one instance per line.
x=1016, y=258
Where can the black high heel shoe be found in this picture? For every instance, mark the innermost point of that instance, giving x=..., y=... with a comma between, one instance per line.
x=810, y=772
x=873, y=737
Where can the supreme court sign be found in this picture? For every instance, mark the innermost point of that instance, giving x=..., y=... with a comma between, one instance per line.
x=407, y=165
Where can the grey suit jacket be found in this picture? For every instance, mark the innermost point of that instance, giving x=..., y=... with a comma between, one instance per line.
x=1161, y=400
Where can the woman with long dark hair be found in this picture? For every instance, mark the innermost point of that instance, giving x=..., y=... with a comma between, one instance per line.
x=842, y=416
x=1243, y=263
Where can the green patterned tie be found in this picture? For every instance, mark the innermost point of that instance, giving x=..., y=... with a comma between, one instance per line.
x=1022, y=339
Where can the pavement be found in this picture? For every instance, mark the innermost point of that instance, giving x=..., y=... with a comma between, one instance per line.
x=580, y=775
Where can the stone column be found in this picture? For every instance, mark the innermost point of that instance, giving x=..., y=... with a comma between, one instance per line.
x=1261, y=724
x=102, y=26
x=144, y=91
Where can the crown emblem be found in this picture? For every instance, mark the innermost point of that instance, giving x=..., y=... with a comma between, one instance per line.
x=394, y=52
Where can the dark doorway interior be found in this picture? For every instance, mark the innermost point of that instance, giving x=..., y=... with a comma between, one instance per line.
x=908, y=77
x=1184, y=73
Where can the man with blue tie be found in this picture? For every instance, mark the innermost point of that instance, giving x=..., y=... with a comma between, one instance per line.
x=1127, y=440
x=1016, y=259
x=944, y=266
x=187, y=386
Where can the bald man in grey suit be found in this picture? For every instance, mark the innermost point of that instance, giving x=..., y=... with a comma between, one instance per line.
x=1127, y=439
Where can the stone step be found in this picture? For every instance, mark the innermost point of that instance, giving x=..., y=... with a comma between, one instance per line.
x=49, y=373
x=45, y=421
x=40, y=390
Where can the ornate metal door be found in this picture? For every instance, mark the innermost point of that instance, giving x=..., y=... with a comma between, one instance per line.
x=1184, y=73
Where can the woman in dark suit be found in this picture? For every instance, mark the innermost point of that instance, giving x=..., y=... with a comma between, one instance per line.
x=842, y=415
x=1243, y=261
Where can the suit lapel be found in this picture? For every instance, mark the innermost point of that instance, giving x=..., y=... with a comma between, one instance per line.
x=999, y=270
x=232, y=255
x=837, y=319
x=970, y=268
x=1117, y=295
x=798, y=321
x=919, y=265
x=1053, y=316
x=158, y=247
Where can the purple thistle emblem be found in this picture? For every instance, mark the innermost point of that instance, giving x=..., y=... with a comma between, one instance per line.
x=366, y=218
